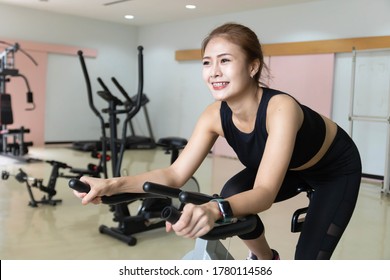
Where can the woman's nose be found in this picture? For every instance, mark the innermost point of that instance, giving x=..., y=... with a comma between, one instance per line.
x=215, y=72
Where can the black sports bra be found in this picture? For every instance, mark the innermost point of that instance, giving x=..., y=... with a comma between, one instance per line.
x=249, y=147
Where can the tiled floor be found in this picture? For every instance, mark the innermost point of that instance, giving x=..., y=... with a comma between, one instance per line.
x=71, y=231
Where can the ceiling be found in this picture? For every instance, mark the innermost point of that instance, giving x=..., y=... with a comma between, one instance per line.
x=147, y=12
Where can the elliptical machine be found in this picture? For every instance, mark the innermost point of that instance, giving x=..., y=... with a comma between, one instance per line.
x=151, y=207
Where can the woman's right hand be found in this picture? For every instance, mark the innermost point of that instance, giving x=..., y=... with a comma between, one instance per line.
x=99, y=187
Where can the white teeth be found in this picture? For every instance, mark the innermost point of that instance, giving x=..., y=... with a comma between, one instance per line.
x=220, y=84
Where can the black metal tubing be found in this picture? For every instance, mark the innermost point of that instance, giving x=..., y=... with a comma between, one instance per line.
x=95, y=111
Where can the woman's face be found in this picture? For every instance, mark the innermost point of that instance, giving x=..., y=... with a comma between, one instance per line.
x=225, y=69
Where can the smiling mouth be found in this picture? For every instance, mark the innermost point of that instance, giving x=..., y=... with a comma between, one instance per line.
x=219, y=85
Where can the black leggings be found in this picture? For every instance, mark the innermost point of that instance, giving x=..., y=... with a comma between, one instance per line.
x=336, y=181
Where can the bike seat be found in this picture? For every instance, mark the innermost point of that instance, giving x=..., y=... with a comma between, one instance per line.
x=172, y=142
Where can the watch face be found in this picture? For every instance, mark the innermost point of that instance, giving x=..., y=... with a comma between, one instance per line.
x=225, y=209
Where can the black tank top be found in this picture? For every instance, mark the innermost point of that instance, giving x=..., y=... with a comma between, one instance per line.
x=249, y=147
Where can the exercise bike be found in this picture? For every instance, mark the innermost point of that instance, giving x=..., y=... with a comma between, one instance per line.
x=209, y=246
x=49, y=189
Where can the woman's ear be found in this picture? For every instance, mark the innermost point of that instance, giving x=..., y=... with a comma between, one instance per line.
x=255, y=66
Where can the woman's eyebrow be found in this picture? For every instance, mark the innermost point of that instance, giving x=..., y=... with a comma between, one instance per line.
x=222, y=54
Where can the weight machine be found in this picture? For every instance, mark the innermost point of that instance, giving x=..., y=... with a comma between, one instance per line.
x=18, y=147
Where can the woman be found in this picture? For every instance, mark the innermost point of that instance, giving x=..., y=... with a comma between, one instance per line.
x=282, y=144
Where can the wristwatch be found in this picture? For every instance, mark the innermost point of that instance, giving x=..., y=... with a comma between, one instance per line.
x=226, y=211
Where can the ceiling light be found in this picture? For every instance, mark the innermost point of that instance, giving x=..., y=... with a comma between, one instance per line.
x=129, y=16
x=190, y=6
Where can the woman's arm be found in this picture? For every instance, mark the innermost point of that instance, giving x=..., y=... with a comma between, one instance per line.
x=197, y=148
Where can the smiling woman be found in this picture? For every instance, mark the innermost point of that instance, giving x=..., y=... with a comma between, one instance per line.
x=283, y=144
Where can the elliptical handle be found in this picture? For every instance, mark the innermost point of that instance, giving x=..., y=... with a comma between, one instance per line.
x=88, y=84
x=122, y=90
x=134, y=110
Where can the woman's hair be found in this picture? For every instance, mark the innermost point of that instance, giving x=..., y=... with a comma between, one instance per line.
x=243, y=37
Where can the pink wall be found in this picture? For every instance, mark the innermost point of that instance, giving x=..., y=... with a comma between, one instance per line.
x=309, y=78
x=36, y=76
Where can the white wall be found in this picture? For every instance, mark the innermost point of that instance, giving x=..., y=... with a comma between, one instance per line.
x=175, y=89
x=68, y=116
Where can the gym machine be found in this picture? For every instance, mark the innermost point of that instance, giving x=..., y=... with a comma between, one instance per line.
x=18, y=148
x=148, y=215
x=49, y=189
x=209, y=246
x=133, y=141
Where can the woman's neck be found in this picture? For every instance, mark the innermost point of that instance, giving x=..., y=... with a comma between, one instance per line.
x=245, y=109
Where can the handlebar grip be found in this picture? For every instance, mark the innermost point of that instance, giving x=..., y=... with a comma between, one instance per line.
x=123, y=198
x=170, y=214
x=113, y=199
x=194, y=197
x=161, y=190
x=242, y=226
x=79, y=186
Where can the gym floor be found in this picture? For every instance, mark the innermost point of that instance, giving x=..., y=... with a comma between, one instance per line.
x=69, y=231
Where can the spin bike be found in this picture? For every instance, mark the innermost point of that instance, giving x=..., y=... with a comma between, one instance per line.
x=207, y=247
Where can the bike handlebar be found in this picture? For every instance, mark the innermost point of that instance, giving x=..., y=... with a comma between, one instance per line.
x=79, y=186
x=171, y=214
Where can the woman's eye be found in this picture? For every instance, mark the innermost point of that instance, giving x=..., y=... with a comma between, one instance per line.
x=205, y=63
x=224, y=60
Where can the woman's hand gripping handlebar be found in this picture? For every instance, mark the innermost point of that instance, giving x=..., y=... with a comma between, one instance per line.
x=171, y=214
x=82, y=187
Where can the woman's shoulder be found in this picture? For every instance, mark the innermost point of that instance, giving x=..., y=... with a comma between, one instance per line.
x=214, y=107
x=211, y=116
x=278, y=96
x=284, y=103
